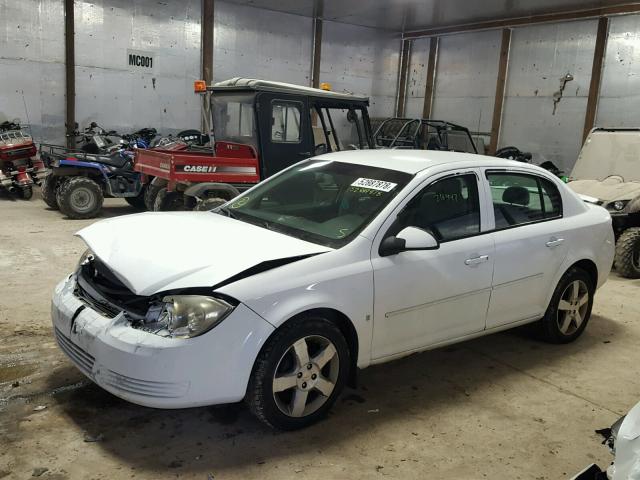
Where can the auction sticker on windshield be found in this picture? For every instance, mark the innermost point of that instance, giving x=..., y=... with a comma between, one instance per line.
x=372, y=184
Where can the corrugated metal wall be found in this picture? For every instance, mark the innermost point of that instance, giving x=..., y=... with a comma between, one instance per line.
x=362, y=60
x=466, y=74
x=620, y=91
x=254, y=43
x=117, y=95
x=32, y=66
x=540, y=56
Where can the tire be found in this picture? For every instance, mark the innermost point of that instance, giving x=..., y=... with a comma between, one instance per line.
x=48, y=187
x=628, y=253
x=568, y=313
x=26, y=192
x=168, y=201
x=138, y=202
x=278, y=356
x=79, y=198
x=150, y=194
x=209, y=204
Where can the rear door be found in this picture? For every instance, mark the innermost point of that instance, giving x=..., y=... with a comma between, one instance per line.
x=284, y=131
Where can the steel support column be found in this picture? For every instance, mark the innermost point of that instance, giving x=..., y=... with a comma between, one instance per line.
x=503, y=66
x=403, y=77
x=70, y=72
x=207, y=41
x=434, y=43
x=596, y=76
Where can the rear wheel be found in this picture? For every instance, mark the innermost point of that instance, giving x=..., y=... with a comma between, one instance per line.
x=299, y=373
x=168, y=201
x=80, y=197
x=570, y=308
x=628, y=253
x=150, y=194
x=48, y=186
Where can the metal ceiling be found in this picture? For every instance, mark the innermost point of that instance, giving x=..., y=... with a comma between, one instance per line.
x=408, y=15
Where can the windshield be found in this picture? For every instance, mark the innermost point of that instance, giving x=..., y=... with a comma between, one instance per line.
x=324, y=202
x=233, y=118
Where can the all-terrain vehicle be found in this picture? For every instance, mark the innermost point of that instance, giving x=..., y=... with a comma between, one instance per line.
x=20, y=169
x=79, y=179
x=607, y=173
x=260, y=128
x=423, y=134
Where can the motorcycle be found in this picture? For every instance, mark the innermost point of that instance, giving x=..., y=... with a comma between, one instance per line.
x=102, y=166
x=20, y=169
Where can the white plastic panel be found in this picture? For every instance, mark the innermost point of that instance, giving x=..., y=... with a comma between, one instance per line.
x=465, y=83
x=540, y=56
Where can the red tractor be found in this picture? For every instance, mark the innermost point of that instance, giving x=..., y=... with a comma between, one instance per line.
x=19, y=166
x=260, y=128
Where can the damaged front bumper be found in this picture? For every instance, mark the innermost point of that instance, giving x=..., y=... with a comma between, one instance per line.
x=155, y=371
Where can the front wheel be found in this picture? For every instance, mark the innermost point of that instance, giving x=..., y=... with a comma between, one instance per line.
x=167, y=201
x=628, y=253
x=570, y=308
x=26, y=192
x=48, y=187
x=80, y=197
x=299, y=373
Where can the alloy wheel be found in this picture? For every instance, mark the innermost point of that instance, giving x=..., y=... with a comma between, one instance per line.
x=572, y=307
x=82, y=200
x=306, y=376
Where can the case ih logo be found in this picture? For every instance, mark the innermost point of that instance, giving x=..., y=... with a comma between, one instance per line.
x=197, y=168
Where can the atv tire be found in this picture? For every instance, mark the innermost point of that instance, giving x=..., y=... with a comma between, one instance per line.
x=150, y=194
x=628, y=253
x=168, y=201
x=48, y=187
x=209, y=204
x=79, y=198
x=138, y=202
x=26, y=192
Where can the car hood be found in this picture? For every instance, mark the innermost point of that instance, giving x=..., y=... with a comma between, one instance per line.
x=154, y=252
x=608, y=190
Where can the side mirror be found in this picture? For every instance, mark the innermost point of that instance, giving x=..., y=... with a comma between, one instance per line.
x=410, y=238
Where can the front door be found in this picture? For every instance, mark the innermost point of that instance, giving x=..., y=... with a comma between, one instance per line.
x=284, y=131
x=423, y=298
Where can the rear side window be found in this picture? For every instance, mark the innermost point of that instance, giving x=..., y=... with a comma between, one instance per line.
x=519, y=199
x=285, y=122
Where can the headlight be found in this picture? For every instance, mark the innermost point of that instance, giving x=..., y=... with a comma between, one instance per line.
x=618, y=205
x=85, y=258
x=186, y=316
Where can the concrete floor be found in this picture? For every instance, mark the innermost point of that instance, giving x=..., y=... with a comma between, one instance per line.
x=503, y=406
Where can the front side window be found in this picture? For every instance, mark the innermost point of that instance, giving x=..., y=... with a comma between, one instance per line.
x=448, y=208
x=233, y=118
x=519, y=199
x=285, y=122
x=324, y=202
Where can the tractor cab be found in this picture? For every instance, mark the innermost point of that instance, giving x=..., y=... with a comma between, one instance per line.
x=287, y=123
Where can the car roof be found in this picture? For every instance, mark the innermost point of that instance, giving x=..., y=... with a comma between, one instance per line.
x=239, y=83
x=414, y=161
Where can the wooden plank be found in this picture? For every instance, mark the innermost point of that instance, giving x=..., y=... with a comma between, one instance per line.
x=317, y=52
x=70, y=72
x=500, y=87
x=529, y=20
x=207, y=41
x=596, y=76
x=434, y=43
x=403, y=77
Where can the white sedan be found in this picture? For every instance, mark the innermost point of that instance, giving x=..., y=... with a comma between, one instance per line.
x=339, y=262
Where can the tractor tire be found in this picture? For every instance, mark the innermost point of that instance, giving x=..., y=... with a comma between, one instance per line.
x=209, y=204
x=168, y=201
x=627, y=258
x=80, y=198
x=138, y=202
x=48, y=187
x=26, y=192
x=150, y=194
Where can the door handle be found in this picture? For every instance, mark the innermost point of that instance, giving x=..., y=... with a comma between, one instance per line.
x=555, y=242
x=476, y=260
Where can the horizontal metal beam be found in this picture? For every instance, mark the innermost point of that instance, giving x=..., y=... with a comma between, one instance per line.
x=529, y=20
